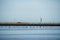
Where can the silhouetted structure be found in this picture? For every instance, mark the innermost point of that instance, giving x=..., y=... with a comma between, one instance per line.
x=29, y=24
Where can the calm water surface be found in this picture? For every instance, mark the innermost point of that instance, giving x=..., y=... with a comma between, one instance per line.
x=29, y=32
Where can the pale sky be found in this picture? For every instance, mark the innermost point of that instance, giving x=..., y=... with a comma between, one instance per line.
x=29, y=10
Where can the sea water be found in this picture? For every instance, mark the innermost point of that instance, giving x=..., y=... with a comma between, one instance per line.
x=29, y=32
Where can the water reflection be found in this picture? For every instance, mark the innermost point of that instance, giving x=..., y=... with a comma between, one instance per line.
x=29, y=32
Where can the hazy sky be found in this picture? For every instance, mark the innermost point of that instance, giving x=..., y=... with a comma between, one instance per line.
x=29, y=10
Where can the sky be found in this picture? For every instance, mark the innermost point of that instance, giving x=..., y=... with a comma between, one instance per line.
x=29, y=10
